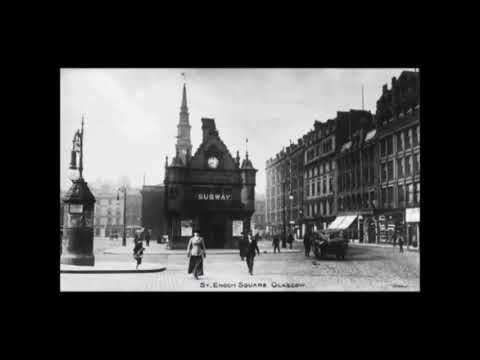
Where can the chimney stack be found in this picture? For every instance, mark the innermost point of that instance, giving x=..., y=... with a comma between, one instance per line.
x=208, y=128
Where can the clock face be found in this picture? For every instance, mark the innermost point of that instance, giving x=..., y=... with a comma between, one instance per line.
x=213, y=162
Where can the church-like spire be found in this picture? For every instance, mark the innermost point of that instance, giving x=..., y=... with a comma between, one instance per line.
x=184, y=98
x=184, y=146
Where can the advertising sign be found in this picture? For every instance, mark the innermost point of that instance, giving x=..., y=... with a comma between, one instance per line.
x=412, y=215
x=237, y=227
x=186, y=227
x=212, y=194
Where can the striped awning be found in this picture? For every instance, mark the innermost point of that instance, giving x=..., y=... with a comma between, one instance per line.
x=342, y=222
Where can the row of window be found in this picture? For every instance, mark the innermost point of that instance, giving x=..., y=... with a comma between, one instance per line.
x=320, y=207
x=320, y=169
x=356, y=202
x=323, y=148
x=350, y=160
x=315, y=188
x=406, y=166
x=402, y=141
x=407, y=195
x=108, y=221
x=351, y=180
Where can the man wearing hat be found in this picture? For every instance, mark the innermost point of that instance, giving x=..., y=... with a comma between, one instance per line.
x=252, y=246
x=242, y=245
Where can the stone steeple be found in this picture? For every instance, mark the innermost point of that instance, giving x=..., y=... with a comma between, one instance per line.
x=184, y=146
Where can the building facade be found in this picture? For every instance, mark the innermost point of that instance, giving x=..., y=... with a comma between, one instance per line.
x=285, y=191
x=210, y=192
x=358, y=167
x=258, y=218
x=108, y=213
x=357, y=187
x=398, y=123
x=320, y=175
x=153, y=211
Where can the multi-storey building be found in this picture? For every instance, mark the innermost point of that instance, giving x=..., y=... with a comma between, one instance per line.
x=323, y=144
x=258, y=217
x=319, y=175
x=398, y=123
x=284, y=193
x=357, y=179
x=108, y=215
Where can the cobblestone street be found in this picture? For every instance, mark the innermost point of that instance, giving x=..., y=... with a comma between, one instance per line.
x=365, y=269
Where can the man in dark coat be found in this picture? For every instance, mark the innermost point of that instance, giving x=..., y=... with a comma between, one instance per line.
x=252, y=246
x=276, y=243
x=147, y=237
x=242, y=245
x=290, y=240
x=284, y=241
x=307, y=242
x=400, y=242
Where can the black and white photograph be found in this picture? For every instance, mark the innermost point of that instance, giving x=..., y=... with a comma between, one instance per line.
x=239, y=179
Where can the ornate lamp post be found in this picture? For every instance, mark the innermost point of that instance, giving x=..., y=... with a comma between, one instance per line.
x=78, y=202
x=124, y=190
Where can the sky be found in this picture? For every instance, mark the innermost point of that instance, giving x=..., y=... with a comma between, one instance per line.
x=131, y=115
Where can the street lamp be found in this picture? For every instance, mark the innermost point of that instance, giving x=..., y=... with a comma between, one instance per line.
x=124, y=190
x=290, y=197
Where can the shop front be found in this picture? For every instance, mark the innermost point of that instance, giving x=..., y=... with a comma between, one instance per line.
x=412, y=219
x=387, y=223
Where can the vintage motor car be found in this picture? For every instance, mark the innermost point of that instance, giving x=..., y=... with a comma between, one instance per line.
x=329, y=243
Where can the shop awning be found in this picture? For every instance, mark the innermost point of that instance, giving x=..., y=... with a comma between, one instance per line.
x=342, y=222
x=370, y=135
x=335, y=222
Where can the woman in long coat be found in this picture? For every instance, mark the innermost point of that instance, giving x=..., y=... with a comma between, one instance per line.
x=196, y=252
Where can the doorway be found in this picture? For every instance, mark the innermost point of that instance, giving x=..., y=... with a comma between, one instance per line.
x=213, y=230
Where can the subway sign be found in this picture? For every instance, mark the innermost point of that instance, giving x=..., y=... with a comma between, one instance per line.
x=212, y=194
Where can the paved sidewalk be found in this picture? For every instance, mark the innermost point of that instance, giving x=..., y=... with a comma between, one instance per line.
x=111, y=268
x=385, y=246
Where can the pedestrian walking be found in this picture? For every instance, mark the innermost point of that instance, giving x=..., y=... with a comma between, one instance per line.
x=252, y=246
x=196, y=252
x=276, y=243
x=307, y=242
x=138, y=250
x=400, y=242
x=147, y=237
x=242, y=245
x=394, y=237
x=290, y=240
x=284, y=241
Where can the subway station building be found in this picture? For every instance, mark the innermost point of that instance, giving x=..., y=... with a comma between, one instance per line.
x=208, y=191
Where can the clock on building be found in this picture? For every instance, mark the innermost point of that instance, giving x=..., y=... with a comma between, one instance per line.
x=213, y=162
